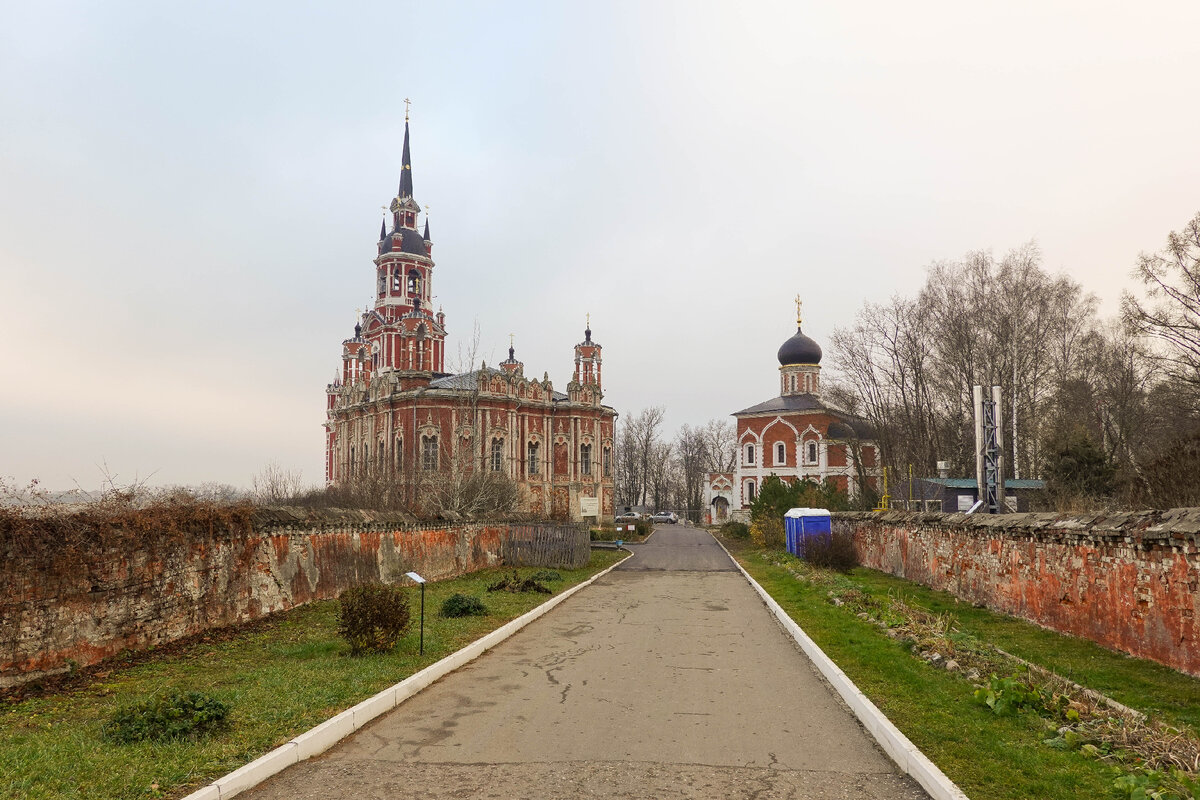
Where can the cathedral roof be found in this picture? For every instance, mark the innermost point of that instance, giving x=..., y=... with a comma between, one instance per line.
x=799, y=349
x=411, y=242
x=785, y=403
x=465, y=381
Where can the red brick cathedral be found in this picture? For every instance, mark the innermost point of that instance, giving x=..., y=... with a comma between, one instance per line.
x=796, y=436
x=395, y=411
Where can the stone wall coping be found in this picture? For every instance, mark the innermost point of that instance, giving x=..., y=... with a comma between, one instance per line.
x=1177, y=524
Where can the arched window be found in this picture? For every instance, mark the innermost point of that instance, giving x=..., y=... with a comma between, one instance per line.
x=382, y=281
x=749, y=454
x=750, y=491
x=533, y=467
x=397, y=280
x=352, y=464
x=812, y=452
x=780, y=453
x=429, y=452
x=366, y=458
x=793, y=377
x=607, y=462
x=414, y=282
x=399, y=453
x=497, y=455
x=585, y=459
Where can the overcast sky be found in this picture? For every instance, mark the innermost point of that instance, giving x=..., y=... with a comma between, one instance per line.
x=190, y=193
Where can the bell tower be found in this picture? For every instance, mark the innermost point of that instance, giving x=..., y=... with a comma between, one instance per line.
x=799, y=361
x=404, y=333
x=585, y=383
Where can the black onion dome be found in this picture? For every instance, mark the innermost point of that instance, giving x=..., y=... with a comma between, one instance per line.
x=410, y=242
x=799, y=350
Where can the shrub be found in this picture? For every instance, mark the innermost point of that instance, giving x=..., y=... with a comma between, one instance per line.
x=736, y=530
x=767, y=532
x=835, y=552
x=461, y=605
x=513, y=583
x=373, y=617
x=545, y=576
x=173, y=716
x=643, y=527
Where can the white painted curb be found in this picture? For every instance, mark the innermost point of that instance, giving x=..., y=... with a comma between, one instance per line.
x=327, y=734
x=906, y=755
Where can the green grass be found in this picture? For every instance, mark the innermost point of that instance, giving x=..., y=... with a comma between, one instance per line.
x=989, y=757
x=1145, y=685
x=280, y=680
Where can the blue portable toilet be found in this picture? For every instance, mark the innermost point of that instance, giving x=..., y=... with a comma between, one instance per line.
x=793, y=528
x=801, y=525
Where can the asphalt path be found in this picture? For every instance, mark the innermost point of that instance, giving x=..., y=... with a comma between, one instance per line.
x=667, y=678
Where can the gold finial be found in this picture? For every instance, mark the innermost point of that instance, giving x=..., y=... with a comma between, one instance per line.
x=589, y=319
x=511, y=336
x=799, y=310
x=407, y=103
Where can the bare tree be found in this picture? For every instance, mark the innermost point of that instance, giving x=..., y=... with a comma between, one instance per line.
x=1171, y=312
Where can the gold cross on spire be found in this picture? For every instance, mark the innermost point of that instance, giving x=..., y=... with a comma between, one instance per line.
x=511, y=336
x=407, y=103
x=799, y=310
x=589, y=319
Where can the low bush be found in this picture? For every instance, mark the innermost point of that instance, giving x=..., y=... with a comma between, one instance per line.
x=767, y=532
x=643, y=528
x=736, y=530
x=462, y=605
x=372, y=617
x=173, y=716
x=514, y=583
x=836, y=552
x=546, y=576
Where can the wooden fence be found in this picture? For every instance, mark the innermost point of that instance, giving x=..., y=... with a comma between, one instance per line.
x=547, y=545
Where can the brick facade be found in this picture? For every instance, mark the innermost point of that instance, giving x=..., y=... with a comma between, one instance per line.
x=394, y=411
x=795, y=436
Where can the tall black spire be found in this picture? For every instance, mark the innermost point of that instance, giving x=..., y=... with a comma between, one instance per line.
x=427, y=229
x=406, y=167
x=382, y=230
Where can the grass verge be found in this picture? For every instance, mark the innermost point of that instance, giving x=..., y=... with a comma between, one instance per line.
x=990, y=757
x=281, y=678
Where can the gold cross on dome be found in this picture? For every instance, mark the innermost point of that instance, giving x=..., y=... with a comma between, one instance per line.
x=407, y=103
x=511, y=336
x=799, y=309
x=589, y=319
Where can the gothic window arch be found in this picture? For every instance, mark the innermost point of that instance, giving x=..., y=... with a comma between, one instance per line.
x=607, y=461
x=497, y=455
x=585, y=459
x=749, y=454
x=534, y=467
x=750, y=491
x=397, y=280
x=399, y=453
x=414, y=282
x=780, y=453
x=812, y=452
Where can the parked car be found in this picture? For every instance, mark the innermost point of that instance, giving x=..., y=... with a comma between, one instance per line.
x=665, y=517
x=628, y=516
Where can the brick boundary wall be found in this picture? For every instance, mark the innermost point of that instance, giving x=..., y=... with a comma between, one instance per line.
x=1127, y=581
x=131, y=600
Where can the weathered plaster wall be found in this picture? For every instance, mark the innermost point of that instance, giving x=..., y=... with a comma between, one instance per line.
x=117, y=600
x=1127, y=581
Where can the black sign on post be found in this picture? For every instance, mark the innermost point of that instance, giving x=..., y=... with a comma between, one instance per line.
x=414, y=576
